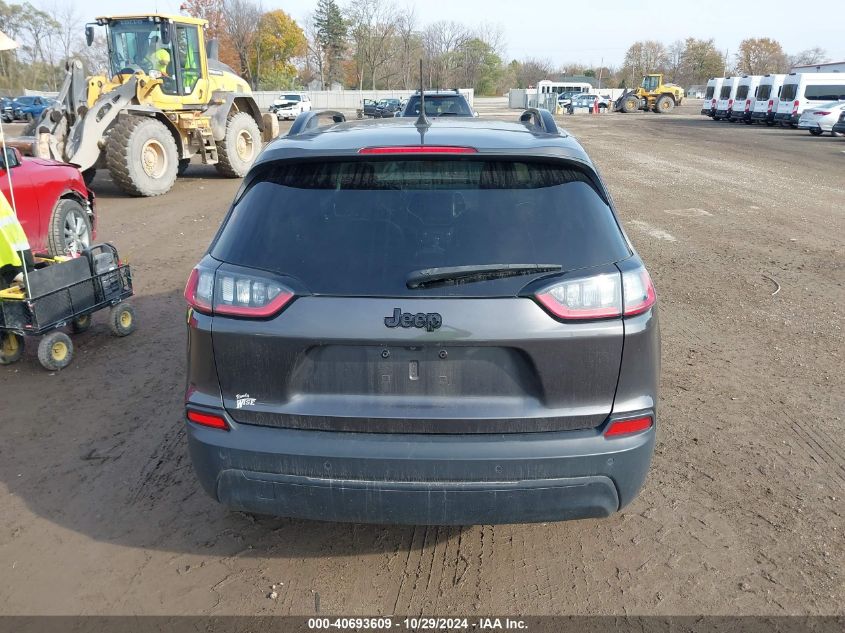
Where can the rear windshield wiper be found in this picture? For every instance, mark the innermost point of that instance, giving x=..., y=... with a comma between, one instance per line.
x=468, y=274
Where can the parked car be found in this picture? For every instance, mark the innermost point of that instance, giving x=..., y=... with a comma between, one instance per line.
x=768, y=94
x=726, y=99
x=439, y=103
x=711, y=94
x=447, y=331
x=746, y=91
x=806, y=90
x=839, y=126
x=822, y=118
x=371, y=108
x=7, y=110
x=289, y=105
x=565, y=98
x=54, y=206
x=388, y=107
x=29, y=108
x=585, y=101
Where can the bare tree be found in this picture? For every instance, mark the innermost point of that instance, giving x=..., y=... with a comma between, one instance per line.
x=810, y=57
x=241, y=19
x=373, y=27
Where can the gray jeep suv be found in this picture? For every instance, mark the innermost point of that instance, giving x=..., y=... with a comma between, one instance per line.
x=439, y=323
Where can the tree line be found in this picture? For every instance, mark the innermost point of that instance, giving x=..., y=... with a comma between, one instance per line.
x=367, y=44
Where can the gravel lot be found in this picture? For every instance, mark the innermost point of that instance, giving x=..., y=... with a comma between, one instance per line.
x=100, y=512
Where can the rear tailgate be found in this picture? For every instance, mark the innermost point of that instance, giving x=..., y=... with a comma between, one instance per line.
x=331, y=363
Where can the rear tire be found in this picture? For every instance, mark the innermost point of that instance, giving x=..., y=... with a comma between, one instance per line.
x=70, y=229
x=665, y=104
x=141, y=156
x=239, y=149
x=55, y=351
x=11, y=348
x=816, y=132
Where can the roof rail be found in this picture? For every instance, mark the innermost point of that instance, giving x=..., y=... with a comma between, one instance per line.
x=541, y=118
x=310, y=120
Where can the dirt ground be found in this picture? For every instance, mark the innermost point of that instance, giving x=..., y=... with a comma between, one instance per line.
x=100, y=512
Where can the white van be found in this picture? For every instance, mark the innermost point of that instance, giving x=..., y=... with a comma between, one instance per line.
x=726, y=98
x=803, y=90
x=746, y=93
x=768, y=94
x=711, y=94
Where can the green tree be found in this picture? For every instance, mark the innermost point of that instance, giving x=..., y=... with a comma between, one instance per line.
x=478, y=66
x=331, y=32
x=760, y=56
x=700, y=61
x=280, y=41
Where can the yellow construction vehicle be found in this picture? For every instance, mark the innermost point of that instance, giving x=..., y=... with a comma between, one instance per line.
x=652, y=95
x=165, y=100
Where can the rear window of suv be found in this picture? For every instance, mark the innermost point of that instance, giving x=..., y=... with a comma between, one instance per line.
x=359, y=228
x=763, y=92
x=789, y=91
x=440, y=105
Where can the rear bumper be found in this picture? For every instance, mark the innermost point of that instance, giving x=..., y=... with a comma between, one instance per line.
x=420, y=479
x=707, y=111
x=740, y=116
x=838, y=127
x=762, y=116
x=722, y=113
x=786, y=117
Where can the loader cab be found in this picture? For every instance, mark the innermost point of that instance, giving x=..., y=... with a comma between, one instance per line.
x=651, y=82
x=169, y=48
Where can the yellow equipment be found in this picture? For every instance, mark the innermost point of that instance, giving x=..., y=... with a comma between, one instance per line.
x=166, y=99
x=652, y=95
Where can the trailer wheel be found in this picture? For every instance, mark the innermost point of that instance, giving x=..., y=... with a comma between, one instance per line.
x=11, y=348
x=665, y=104
x=55, y=351
x=239, y=149
x=122, y=321
x=141, y=156
x=80, y=324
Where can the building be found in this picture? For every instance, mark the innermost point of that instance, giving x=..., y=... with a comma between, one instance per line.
x=827, y=67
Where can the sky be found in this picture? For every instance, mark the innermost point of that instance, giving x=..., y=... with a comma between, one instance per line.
x=601, y=30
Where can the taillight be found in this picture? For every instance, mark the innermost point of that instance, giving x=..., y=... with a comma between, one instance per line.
x=628, y=427
x=211, y=420
x=638, y=291
x=199, y=290
x=821, y=113
x=747, y=105
x=600, y=296
x=730, y=103
x=771, y=103
x=235, y=294
x=713, y=103
x=795, y=106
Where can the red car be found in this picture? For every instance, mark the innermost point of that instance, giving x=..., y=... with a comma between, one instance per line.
x=54, y=206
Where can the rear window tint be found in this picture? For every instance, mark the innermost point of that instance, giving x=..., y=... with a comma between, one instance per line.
x=726, y=92
x=361, y=227
x=763, y=92
x=709, y=93
x=789, y=91
x=742, y=92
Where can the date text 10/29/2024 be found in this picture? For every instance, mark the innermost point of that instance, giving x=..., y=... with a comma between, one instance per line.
x=418, y=624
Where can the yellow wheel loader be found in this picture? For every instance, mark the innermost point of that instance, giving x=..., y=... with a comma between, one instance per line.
x=166, y=100
x=652, y=95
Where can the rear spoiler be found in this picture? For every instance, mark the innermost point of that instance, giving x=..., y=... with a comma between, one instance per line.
x=310, y=120
x=540, y=118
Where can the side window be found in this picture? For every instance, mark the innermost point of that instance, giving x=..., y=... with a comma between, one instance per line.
x=187, y=38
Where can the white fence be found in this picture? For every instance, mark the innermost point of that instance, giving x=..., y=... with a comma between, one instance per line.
x=345, y=99
x=521, y=98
